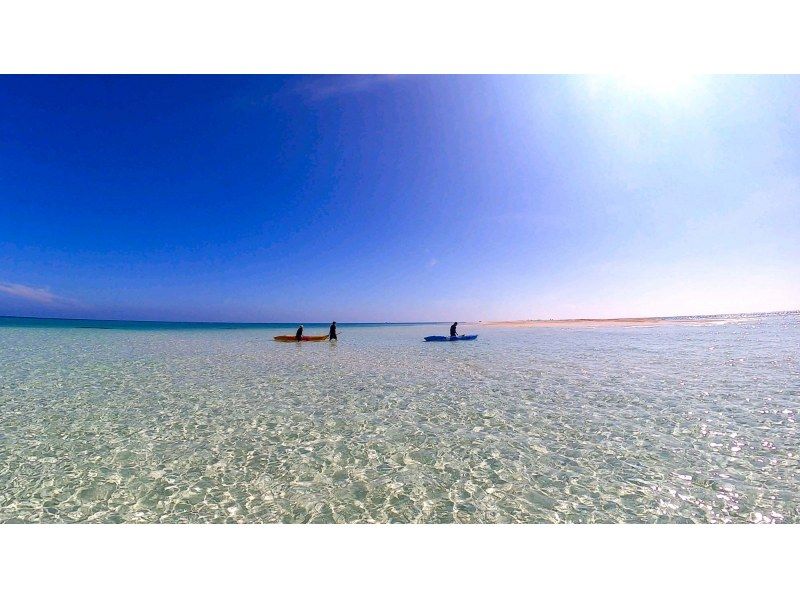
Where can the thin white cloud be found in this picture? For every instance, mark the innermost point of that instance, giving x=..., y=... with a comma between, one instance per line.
x=324, y=87
x=30, y=293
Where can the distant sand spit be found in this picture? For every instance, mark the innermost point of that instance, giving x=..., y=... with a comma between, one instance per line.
x=612, y=322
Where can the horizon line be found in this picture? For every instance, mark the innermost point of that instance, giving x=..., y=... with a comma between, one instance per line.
x=776, y=312
x=206, y=321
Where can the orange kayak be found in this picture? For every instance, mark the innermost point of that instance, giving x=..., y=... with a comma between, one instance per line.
x=288, y=338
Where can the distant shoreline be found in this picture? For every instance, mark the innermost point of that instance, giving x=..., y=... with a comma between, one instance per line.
x=616, y=322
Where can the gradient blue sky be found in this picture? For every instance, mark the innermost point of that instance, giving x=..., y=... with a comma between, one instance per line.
x=398, y=198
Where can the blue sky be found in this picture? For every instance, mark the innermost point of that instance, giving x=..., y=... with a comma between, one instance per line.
x=398, y=198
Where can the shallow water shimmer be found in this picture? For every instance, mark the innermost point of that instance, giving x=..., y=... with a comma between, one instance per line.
x=666, y=424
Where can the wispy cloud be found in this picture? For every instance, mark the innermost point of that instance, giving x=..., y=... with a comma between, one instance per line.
x=324, y=87
x=30, y=293
x=432, y=262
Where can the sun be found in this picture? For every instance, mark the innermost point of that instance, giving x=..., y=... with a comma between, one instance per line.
x=657, y=83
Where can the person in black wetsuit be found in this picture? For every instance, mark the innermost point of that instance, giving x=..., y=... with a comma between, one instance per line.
x=332, y=334
x=299, y=334
x=453, y=329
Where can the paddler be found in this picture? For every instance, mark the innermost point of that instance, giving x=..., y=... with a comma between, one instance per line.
x=299, y=334
x=453, y=329
x=332, y=332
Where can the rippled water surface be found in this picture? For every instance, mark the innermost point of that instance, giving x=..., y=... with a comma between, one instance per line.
x=672, y=423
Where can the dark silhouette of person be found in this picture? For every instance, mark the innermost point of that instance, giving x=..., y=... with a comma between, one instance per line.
x=332, y=334
x=299, y=334
x=453, y=329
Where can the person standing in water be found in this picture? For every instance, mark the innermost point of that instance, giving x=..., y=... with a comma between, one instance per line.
x=453, y=329
x=332, y=333
x=299, y=334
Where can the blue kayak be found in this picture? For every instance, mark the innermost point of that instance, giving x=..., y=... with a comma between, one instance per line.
x=463, y=337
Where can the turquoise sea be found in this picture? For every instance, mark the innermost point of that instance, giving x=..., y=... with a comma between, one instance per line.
x=151, y=422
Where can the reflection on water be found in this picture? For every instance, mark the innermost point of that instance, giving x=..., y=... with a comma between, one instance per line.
x=664, y=424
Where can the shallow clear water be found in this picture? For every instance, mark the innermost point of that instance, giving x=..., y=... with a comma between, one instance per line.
x=673, y=423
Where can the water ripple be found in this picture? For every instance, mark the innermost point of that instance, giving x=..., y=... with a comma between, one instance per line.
x=665, y=424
